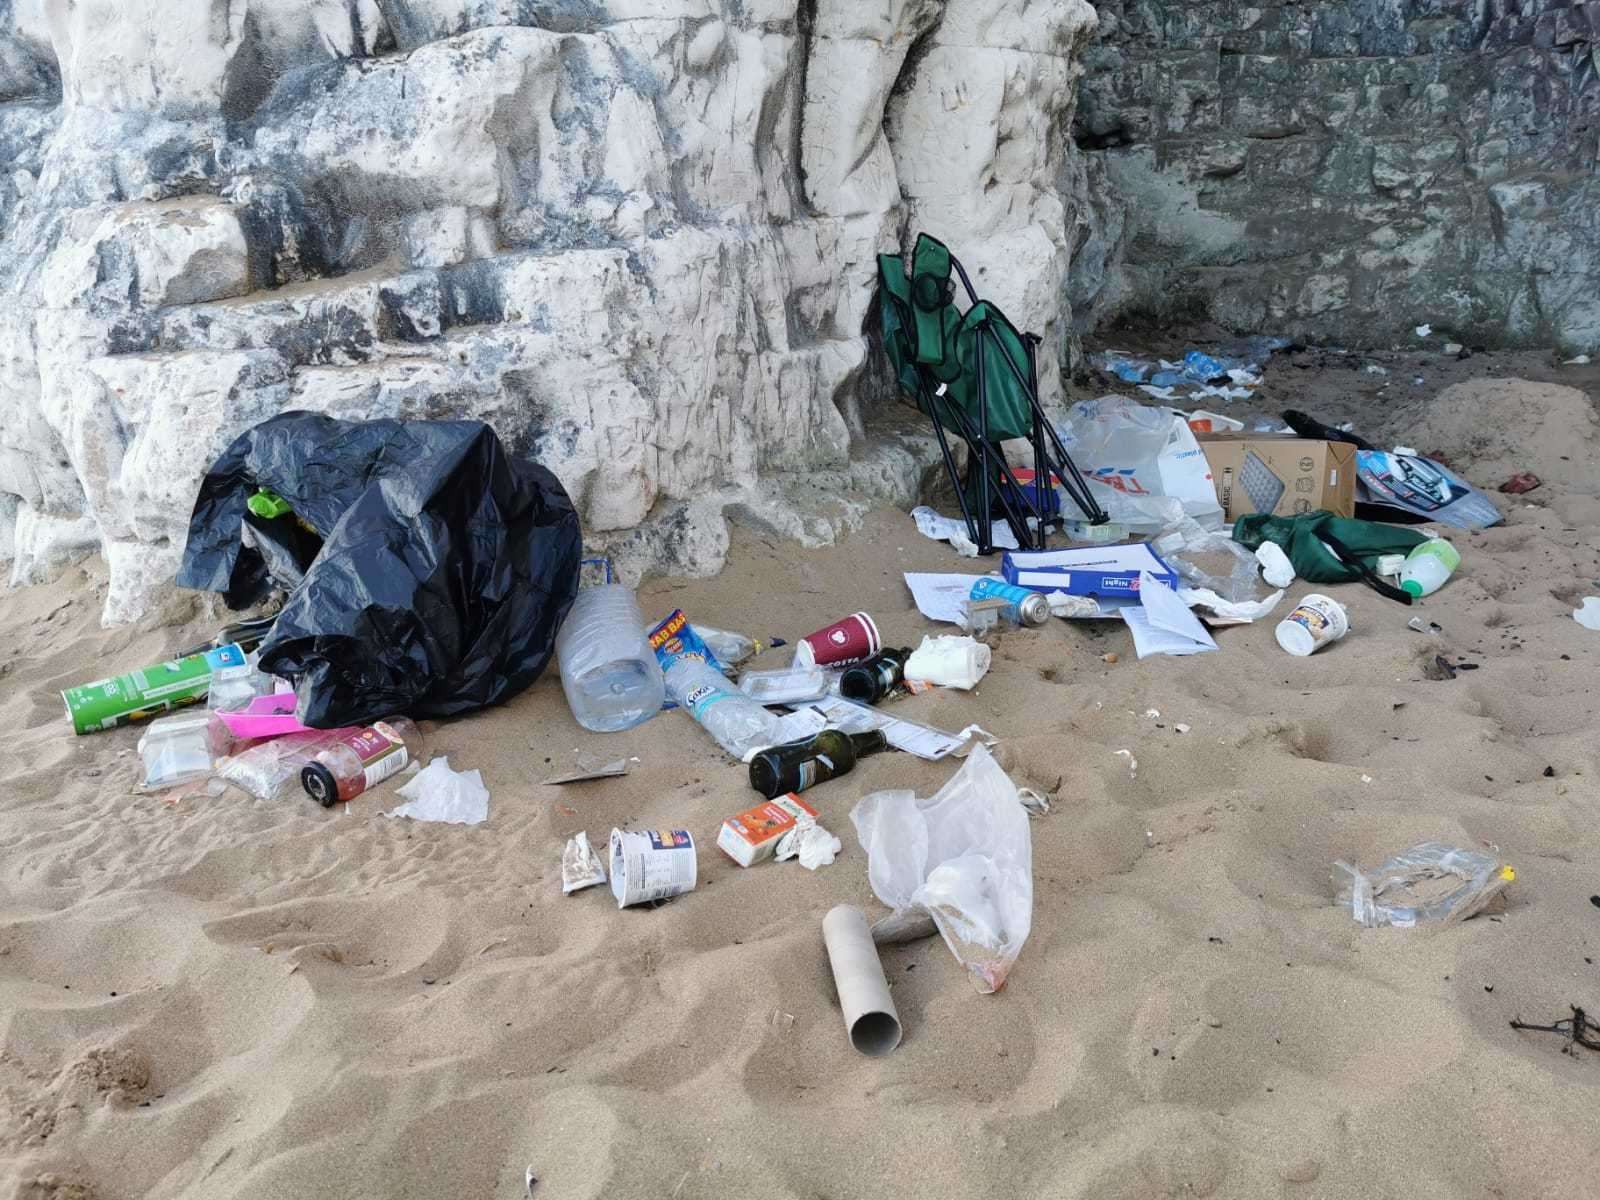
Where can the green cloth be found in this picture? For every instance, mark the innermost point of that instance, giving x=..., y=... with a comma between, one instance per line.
x=1302, y=538
x=923, y=327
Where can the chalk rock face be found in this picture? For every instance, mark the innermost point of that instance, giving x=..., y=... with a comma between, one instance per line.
x=636, y=236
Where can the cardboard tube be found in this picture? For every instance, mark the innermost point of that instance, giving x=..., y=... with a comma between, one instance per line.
x=869, y=1016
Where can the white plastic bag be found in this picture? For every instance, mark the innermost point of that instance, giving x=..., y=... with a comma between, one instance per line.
x=1389, y=895
x=1142, y=463
x=964, y=856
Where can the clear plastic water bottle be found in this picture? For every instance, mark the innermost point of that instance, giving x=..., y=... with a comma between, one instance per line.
x=608, y=670
x=738, y=723
x=1428, y=566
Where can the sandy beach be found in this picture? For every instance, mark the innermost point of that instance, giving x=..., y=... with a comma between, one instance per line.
x=214, y=997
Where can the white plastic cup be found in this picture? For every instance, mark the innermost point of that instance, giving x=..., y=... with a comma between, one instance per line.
x=1314, y=623
x=651, y=864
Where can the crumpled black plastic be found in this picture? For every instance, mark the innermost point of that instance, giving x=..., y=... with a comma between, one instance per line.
x=428, y=567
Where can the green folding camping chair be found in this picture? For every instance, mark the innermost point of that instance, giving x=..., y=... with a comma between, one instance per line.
x=976, y=376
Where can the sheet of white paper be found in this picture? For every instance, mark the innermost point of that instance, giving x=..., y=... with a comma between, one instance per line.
x=941, y=597
x=1163, y=624
x=1244, y=611
x=949, y=529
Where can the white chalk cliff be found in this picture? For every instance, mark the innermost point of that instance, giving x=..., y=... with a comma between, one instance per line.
x=637, y=236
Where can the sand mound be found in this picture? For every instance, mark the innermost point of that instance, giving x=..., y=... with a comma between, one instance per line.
x=1491, y=429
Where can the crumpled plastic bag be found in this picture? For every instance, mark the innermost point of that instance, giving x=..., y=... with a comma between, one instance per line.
x=1482, y=877
x=1142, y=463
x=964, y=856
x=436, y=793
x=1200, y=556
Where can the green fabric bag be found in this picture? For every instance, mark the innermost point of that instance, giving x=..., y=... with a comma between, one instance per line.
x=1324, y=548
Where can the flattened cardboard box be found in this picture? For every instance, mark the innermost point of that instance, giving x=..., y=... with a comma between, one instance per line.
x=1283, y=476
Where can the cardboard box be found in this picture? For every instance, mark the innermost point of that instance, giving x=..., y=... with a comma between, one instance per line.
x=1281, y=475
x=753, y=835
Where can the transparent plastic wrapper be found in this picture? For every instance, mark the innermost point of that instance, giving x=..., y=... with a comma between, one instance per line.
x=786, y=686
x=176, y=750
x=233, y=688
x=963, y=857
x=1399, y=893
x=1213, y=561
x=272, y=769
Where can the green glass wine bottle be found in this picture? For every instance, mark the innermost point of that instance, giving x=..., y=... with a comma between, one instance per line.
x=799, y=765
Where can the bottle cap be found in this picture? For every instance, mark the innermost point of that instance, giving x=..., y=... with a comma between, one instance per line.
x=1411, y=587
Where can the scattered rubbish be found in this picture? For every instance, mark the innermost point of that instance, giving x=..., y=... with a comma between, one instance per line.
x=581, y=867
x=1088, y=571
x=1521, y=483
x=870, y=1019
x=1327, y=549
x=437, y=793
x=264, y=717
x=673, y=640
x=268, y=769
x=797, y=766
x=979, y=889
x=1228, y=612
x=1400, y=486
x=433, y=509
x=1023, y=606
x=1164, y=394
x=1587, y=614
x=1424, y=331
x=651, y=865
x=958, y=662
x=809, y=842
x=1141, y=464
x=1108, y=658
x=947, y=529
x=739, y=724
x=983, y=617
x=140, y=695
x=1181, y=727
x=1481, y=876
x=1201, y=421
x=1422, y=626
x=1276, y=568
x=1578, y=1029
x=591, y=770
x=731, y=649
x=234, y=688
x=176, y=750
x=1315, y=622
x=1375, y=369
x=1581, y=360
x=1440, y=670
x=609, y=669
x=850, y=640
x=871, y=681
x=753, y=835
x=1035, y=802
x=912, y=737
x=1212, y=561
x=1279, y=475
x=1453, y=348
x=1428, y=567
x=786, y=685
x=1161, y=622
x=359, y=759
x=940, y=597
x=1389, y=566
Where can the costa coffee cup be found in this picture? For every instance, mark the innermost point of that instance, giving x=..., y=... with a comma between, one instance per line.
x=852, y=640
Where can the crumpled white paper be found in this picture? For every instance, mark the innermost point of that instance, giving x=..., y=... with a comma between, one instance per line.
x=947, y=529
x=1227, y=610
x=436, y=793
x=1276, y=568
x=808, y=841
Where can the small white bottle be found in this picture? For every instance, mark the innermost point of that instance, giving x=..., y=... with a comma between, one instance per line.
x=1428, y=566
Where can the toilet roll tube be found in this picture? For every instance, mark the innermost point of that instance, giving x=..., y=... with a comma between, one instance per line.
x=869, y=1015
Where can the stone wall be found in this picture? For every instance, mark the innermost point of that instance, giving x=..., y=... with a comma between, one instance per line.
x=1344, y=171
x=638, y=236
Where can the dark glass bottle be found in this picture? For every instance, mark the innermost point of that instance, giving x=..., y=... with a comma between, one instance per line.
x=799, y=765
x=874, y=679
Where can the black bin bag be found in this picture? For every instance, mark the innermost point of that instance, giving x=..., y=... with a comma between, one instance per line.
x=428, y=568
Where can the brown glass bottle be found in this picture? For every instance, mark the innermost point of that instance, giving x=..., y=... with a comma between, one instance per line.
x=799, y=765
x=874, y=679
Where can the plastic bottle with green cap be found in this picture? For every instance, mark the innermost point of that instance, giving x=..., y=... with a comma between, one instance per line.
x=1428, y=566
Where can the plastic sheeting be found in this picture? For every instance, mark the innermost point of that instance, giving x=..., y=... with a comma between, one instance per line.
x=428, y=567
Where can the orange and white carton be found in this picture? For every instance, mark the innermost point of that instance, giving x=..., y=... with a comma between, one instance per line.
x=753, y=835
